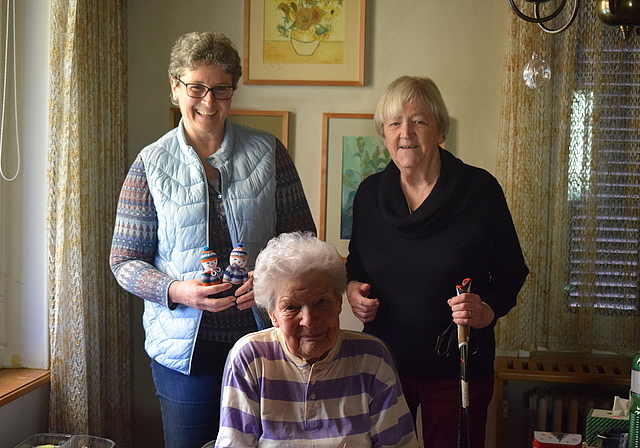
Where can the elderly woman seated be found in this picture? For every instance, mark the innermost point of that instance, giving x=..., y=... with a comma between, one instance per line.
x=305, y=378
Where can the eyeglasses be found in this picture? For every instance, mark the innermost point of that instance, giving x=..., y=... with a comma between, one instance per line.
x=200, y=91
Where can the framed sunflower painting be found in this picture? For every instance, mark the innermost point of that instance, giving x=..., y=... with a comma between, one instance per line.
x=304, y=42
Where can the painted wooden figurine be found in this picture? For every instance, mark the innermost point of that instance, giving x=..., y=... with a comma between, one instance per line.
x=236, y=273
x=212, y=273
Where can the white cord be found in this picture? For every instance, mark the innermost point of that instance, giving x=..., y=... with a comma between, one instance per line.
x=15, y=89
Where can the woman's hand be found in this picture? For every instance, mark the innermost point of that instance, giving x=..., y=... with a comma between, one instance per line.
x=244, y=294
x=193, y=294
x=469, y=309
x=363, y=308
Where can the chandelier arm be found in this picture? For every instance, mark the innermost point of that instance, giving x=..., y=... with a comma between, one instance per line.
x=574, y=14
x=536, y=19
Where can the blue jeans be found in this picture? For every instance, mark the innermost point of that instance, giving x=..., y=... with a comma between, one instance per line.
x=190, y=404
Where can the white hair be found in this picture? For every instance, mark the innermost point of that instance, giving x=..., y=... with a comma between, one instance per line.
x=291, y=255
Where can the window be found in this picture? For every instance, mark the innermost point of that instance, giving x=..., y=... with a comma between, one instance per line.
x=604, y=181
x=23, y=203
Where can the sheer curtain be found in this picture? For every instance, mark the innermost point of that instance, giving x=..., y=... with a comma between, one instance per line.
x=569, y=161
x=89, y=313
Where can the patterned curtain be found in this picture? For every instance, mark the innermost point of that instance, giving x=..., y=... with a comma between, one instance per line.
x=569, y=161
x=89, y=313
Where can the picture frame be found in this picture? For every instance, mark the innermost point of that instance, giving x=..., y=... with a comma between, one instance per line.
x=274, y=121
x=351, y=151
x=328, y=49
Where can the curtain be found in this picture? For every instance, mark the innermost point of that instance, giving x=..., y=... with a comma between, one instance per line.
x=89, y=314
x=569, y=161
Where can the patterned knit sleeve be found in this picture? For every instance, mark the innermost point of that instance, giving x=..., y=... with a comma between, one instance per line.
x=291, y=203
x=135, y=240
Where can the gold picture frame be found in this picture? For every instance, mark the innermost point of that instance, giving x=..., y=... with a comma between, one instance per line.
x=351, y=150
x=328, y=49
x=274, y=121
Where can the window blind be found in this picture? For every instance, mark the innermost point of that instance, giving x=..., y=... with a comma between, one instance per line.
x=604, y=179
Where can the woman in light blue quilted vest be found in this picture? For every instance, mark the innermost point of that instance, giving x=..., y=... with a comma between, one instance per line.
x=208, y=182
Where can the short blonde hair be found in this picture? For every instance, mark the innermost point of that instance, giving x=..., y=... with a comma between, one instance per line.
x=406, y=89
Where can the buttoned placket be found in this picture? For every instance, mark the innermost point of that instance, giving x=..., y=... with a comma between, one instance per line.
x=223, y=213
x=312, y=403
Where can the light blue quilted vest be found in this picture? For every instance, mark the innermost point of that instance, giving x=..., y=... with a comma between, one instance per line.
x=246, y=161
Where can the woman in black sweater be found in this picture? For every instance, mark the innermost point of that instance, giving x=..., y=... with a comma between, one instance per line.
x=420, y=227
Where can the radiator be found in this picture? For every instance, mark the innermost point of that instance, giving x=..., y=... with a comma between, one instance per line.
x=561, y=410
x=553, y=392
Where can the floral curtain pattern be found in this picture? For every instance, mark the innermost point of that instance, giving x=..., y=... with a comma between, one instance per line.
x=89, y=312
x=569, y=155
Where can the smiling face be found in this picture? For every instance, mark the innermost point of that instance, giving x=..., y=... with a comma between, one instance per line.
x=210, y=265
x=241, y=262
x=203, y=118
x=412, y=137
x=307, y=311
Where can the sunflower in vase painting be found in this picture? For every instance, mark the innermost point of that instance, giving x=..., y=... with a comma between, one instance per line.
x=307, y=22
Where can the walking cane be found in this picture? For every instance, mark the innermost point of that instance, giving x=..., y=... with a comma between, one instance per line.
x=463, y=344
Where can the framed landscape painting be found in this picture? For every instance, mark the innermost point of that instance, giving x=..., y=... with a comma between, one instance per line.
x=351, y=151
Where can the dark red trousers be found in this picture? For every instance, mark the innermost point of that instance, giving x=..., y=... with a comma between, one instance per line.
x=440, y=400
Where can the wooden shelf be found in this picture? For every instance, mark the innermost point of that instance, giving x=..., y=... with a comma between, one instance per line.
x=566, y=368
x=15, y=383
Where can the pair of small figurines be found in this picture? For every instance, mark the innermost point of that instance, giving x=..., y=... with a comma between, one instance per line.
x=236, y=273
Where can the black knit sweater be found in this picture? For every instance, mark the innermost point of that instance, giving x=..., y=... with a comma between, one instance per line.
x=414, y=262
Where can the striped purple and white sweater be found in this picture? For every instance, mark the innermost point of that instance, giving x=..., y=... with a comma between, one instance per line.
x=272, y=398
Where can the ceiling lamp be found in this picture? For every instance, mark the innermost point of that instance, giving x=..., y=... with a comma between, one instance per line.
x=542, y=20
x=622, y=13
x=616, y=13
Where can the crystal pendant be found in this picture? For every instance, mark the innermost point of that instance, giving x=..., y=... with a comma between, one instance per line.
x=536, y=73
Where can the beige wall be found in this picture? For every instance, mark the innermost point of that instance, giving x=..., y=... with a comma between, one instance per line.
x=460, y=44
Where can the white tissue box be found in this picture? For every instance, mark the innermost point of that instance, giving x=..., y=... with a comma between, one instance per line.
x=601, y=420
